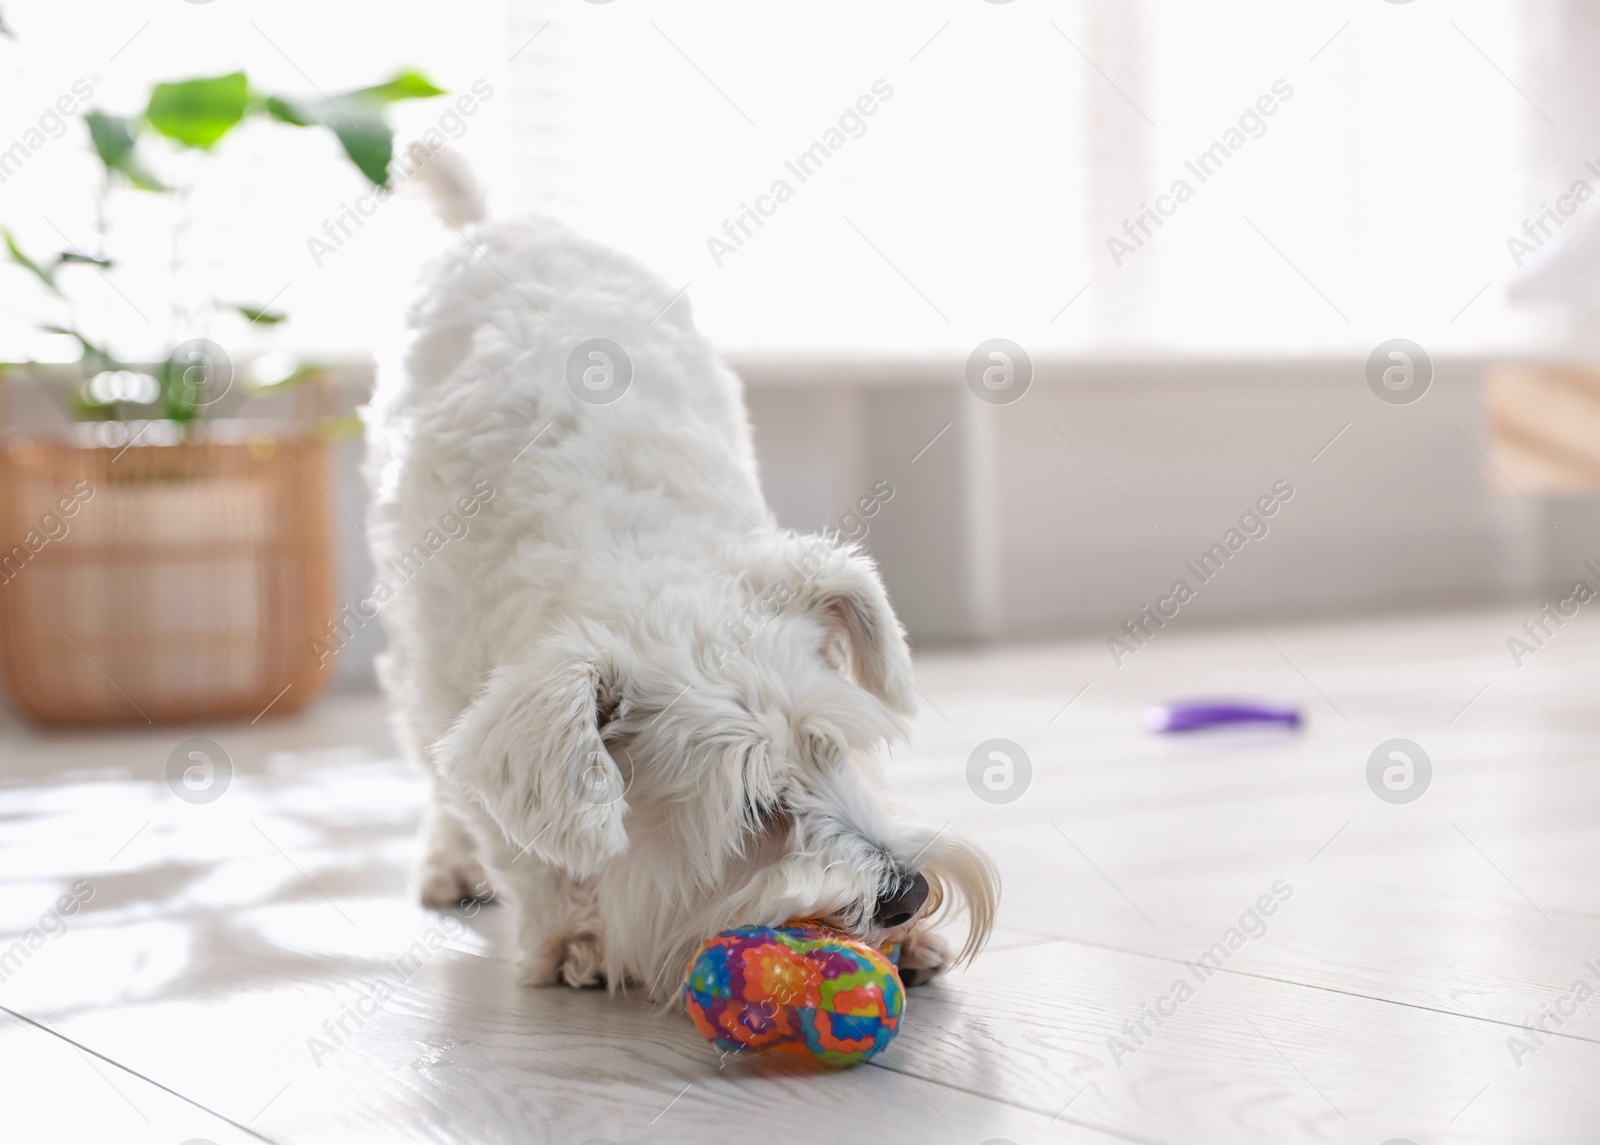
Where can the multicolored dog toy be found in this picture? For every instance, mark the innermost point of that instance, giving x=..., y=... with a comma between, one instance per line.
x=798, y=989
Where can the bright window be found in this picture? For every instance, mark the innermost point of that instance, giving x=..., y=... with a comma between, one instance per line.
x=882, y=177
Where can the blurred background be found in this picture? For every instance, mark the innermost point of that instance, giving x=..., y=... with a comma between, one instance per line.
x=1197, y=224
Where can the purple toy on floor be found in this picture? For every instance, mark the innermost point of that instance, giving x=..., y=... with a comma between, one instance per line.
x=1198, y=714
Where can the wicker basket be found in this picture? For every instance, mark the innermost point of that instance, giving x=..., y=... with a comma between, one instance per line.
x=179, y=577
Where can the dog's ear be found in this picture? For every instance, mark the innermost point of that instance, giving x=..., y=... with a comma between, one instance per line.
x=530, y=748
x=847, y=593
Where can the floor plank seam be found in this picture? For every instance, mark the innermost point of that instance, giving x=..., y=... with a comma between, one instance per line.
x=44, y=1029
x=880, y=1063
x=1314, y=986
x=1454, y=896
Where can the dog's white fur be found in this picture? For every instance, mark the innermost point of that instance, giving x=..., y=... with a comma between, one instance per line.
x=647, y=710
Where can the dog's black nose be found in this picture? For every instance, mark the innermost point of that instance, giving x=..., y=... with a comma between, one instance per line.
x=900, y=905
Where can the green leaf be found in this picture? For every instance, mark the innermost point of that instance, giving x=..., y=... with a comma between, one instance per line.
x=113, y=140
x=404, y=85
x=290, y=111
x=366, y=139
x=43, y=274
x=199, y=112
x=257, y=314
x=69, y=256
x=112, y=136
x=179, y=394
x=4, y=30
x=356, y=120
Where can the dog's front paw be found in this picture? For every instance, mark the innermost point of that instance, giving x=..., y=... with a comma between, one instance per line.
x=924, y=955
x=572, y=960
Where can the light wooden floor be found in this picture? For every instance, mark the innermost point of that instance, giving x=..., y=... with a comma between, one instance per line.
x=1381, y=1003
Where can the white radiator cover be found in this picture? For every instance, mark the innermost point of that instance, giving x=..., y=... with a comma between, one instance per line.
x=1005, y=529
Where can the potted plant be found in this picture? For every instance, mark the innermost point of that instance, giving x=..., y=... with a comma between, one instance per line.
x=162, y=561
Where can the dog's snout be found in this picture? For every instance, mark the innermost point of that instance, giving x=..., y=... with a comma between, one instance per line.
x=901, y=904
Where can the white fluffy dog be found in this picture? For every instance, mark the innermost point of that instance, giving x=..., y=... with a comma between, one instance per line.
x=648, y=711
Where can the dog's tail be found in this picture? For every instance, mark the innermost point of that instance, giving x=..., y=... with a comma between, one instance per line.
x=451, y=183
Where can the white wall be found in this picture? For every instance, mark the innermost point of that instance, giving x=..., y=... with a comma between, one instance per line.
x=1004, y=529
